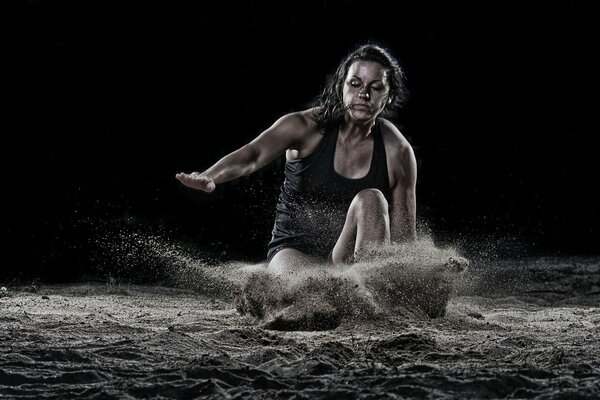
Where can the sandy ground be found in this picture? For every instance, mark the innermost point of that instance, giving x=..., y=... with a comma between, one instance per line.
x=526, y=328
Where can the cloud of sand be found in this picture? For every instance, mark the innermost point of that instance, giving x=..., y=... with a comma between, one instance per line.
x=399, y=278
x=416, y=277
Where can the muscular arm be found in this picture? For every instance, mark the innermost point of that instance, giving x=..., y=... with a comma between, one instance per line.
x=402, y=167
x=285, y=133
x=403, y=216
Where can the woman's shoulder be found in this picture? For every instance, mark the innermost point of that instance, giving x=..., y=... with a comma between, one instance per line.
x=392, y=136
x=400, y=154
x=300, y=130
x=303, y=120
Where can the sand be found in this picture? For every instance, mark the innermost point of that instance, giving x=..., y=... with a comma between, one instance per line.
x=514, y=328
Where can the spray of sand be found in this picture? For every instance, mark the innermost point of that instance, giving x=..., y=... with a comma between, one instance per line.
x=416, y=279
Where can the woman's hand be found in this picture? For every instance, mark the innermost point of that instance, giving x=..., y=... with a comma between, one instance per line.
x=197, y=180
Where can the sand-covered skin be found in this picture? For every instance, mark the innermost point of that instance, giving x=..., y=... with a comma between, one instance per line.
x=525, y=328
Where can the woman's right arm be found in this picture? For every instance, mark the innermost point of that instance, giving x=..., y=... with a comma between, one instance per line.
x=286, y=132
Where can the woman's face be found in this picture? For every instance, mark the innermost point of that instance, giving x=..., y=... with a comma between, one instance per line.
x=366, y=90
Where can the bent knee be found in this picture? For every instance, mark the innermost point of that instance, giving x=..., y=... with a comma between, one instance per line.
x=371, y=199
x=287, y=260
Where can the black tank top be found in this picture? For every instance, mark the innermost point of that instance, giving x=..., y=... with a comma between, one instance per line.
x=314, y=198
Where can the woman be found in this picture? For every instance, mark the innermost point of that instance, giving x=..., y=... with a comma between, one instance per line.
x=350, y=174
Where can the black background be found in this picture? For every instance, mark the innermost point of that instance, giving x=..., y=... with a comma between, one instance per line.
x=108, y=100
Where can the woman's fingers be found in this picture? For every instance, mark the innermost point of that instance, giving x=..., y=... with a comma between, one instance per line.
x=196, y=180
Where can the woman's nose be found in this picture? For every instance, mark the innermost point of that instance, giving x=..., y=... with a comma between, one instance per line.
x=363, y=93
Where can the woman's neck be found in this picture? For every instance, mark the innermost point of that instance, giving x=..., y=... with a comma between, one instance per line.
x=351, y=131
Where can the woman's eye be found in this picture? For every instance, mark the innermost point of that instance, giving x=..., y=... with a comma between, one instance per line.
x=354, y=84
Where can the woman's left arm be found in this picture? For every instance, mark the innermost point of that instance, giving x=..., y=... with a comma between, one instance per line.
x=403, y=210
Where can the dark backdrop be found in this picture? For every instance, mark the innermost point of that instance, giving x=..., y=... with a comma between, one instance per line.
x=107, y=101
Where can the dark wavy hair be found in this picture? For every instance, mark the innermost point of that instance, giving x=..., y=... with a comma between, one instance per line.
x=329, y=107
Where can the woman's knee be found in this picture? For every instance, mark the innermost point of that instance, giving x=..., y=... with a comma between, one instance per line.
x=287, y=260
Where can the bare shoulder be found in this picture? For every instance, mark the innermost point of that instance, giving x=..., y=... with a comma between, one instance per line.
x=394, y=140
x=399, y=152
x=300, y=130
x=297, y=121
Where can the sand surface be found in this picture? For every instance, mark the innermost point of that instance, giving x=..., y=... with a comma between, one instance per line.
x=520, y=328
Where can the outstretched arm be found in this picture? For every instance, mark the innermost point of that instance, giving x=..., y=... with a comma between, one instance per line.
x=270, y=144
x=238, y=163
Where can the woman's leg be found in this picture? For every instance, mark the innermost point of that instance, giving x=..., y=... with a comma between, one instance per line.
x=367, y=224
x=289, y=260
